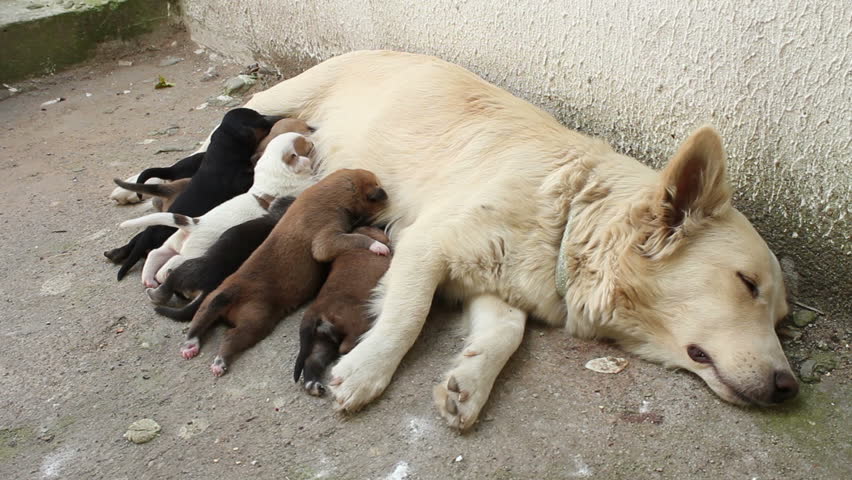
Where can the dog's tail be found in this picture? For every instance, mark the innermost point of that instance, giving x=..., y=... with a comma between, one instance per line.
x=307, y=331
x=167, y=219
x=215, y=306
x=152, y=189
x=182, y=314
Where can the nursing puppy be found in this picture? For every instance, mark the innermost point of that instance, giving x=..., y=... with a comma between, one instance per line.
x=332, y=325
x=287, y=269
x=285, y=125
x=224, y=172
x=282, y=170
x=163, y=193
x=186, y=168
x=197, y=277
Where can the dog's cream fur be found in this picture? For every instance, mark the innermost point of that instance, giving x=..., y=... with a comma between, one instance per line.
x=282, y=170
x=483, y=185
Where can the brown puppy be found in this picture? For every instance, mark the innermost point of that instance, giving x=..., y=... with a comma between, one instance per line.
x=287, y=269
x=285, y=125
x=339, y=316
x=164, y=193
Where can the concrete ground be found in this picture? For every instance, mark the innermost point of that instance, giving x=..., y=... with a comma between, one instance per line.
x=84, y=356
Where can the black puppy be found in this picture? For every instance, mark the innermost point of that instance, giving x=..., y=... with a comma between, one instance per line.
x=197, y=277
x=225, y=171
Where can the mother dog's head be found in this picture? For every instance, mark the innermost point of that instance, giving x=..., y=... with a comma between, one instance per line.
x=698, y=288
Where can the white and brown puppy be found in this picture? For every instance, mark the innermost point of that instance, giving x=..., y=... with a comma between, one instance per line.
x=284, y=169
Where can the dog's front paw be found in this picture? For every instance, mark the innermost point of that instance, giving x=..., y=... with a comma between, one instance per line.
x=458, y=401
x=355, y=383
x=379, y=248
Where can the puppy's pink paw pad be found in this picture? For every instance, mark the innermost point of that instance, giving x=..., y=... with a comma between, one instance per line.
x=379, y=248
x=151, y=283
x=217, y=370
x=189, y=350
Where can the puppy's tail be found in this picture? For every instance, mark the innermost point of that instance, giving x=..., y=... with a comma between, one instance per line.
x=182, y=314
x=153, y=189
x=307, y=331
x=215, y=306
x=167, y=219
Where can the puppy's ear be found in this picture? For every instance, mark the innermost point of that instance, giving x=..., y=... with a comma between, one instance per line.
x=290, y=158
x=303, y=146
x=693, y=182
x=693, y=186
x=377, y=194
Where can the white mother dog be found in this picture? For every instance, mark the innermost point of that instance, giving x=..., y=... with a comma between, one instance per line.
x=495, y=203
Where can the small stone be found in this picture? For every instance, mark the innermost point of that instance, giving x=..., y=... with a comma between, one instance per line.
x=125, y=63
x=790, y=332
x=52, y=102
x=199, y=51
x=215, y=460
x=607, y=364
x=458, y=459
x=804, y=317
x=239, y=84
x=210, y=74
x=142, y=431
x=34, y=6
x=168, y=61
x=202, y=106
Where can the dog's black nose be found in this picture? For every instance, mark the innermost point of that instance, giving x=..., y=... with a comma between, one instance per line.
x=786, y=387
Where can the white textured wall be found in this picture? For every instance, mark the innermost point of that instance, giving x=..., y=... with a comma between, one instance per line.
x=774, y=76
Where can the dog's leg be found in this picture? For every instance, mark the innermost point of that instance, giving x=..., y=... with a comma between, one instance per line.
x=120, y=254
x=415, y=272
x=323, y=354
x=154, y=263
x=252, y=323
x=171, y=265
x=496, y=331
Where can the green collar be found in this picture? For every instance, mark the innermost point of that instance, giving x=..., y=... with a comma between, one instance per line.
x=561, y=260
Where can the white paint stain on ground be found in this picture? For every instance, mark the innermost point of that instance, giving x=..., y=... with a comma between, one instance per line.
x=645, y=407
x=400, y=471
x=325, y=470
x=418, y=429
x=581, y=469
x=57, y=285
x=52, y=464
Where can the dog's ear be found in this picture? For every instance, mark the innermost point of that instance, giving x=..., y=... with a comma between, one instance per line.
x=694, y=182
x=693, y=186
x=377, y=194
x=302, y=146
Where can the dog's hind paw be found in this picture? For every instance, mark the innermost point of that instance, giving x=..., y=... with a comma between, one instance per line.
x=316, y=389
x=458, y=407
x=123, y=196
x=190, y=348
x=379, y=248
x=218, y=367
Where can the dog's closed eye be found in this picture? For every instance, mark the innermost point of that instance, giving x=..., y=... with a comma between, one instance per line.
x=750, y=283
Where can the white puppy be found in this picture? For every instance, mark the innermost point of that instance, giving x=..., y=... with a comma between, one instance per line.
x=284, y=169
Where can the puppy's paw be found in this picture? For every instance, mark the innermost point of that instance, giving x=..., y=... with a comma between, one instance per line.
x=158, y=295
x=316, y=389
x=218, y=367
x=379, y=248
x=356, y=382
x=122, y=196
x=150, y=283
x=190, y=348
x=458, y=405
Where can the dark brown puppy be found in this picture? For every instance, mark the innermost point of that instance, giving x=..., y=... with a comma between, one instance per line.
x=288, y=268
x=339, y=316
x=164, y=193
